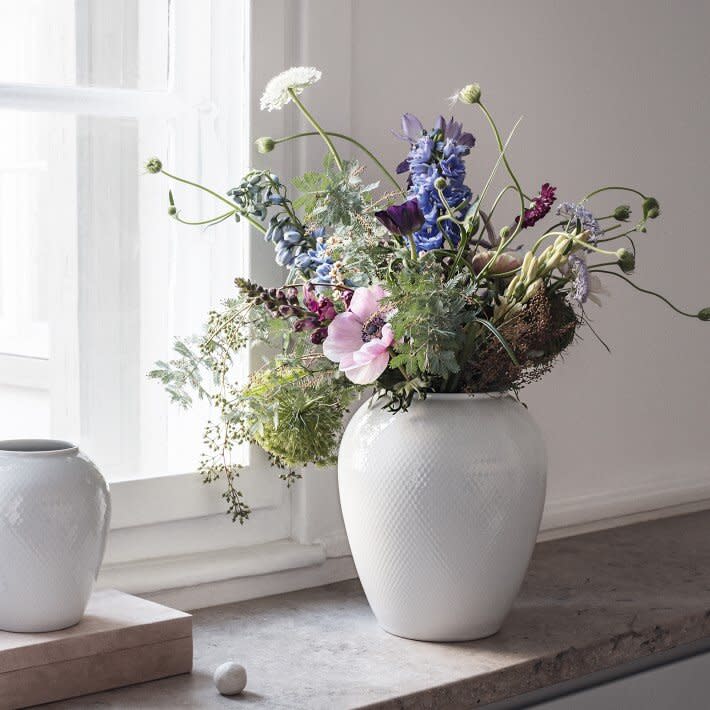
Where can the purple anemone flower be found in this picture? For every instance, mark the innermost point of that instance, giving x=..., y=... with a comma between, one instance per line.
x=402, y=219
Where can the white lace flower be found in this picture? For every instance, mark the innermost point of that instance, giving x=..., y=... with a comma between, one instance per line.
x=276, y=94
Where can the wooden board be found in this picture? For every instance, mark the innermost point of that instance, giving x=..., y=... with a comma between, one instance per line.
x=121, y=640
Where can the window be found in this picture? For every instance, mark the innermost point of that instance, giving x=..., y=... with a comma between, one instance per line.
x=95, y=280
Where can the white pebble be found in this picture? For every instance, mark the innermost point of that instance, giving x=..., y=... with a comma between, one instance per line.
x=230, y=678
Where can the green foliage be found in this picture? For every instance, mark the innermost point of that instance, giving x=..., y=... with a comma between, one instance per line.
x=431, y=313
x=331, y=197
x=182, y=374
x=293, y=408
x=364, y=248
x=296, y=414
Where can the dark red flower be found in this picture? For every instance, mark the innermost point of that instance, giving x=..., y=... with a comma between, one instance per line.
x=540, y=206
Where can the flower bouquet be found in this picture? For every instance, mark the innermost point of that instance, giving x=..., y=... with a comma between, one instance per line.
x=415, y=288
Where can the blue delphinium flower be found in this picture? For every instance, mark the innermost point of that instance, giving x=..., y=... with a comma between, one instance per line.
x=437, y=153
x=581, y=214
x=315, y=263
x=288, y=240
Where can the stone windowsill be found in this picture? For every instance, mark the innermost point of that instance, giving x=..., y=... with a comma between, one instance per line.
x=605, y=602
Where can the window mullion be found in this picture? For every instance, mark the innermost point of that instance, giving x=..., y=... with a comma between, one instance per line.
x=90, y=101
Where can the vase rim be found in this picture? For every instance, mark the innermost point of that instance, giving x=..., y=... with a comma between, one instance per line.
x=36, y=447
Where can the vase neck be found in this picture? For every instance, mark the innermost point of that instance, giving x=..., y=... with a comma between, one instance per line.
x=36, y=447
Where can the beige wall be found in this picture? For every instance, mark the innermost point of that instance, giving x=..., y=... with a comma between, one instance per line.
x=611, y=92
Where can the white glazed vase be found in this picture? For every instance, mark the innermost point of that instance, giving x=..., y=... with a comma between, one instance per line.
x=442, y=506
x=55, y=511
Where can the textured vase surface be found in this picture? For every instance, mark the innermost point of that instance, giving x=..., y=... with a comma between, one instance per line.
x=54, y=517
x=442, y=506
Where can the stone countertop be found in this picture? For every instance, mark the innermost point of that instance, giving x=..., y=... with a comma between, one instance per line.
x=589, y=603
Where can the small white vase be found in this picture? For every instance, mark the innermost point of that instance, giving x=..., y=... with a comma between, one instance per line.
x=54, y=517
x=442, y=506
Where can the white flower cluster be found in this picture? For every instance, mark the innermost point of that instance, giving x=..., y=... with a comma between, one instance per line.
x=276, y=94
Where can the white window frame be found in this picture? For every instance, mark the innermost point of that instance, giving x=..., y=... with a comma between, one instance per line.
x=169, y=531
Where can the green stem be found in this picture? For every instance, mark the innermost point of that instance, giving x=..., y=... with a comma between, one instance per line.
x=647, y=291
x=447, y=206
x=604, y=263
x=607, y=230
x=618, y=236
x=498, y=199
x=521, y=194
x=342, y=136
x=488, y=226
x=246, y=215
x=320, y=131
x=503, y=244
x=615, y=187
x=463, y=242
x=412, y=246
x=591, y=247
x=286, y=204
x=214, y=220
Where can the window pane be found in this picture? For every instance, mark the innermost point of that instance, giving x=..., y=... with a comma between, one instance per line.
x=110, y=43
x=35, y=152
x=95, y=282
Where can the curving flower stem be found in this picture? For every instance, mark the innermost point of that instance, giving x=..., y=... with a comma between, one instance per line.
x=213, y=220
x=591, y=247
x=501, y=148
x=644, y=290
x=498, y=198
x=615, y=187
x=321, y=132
x=618, y=236
x=463, y=242
x=344, y=137
x=234, y=207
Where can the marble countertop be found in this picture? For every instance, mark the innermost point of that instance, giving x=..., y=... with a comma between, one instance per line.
x=589, y=603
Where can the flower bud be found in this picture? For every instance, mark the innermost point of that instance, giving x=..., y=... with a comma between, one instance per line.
x=627, y=261
x=622, y=213
x=440, y=183
x=704, y=314
x=470, y=94
x=651, y=208
x=265, y=144
x=319, y=336
x=172, y=210
x=504, y=232
x=153, y=166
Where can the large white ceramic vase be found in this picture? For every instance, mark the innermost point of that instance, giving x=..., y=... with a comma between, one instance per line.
x=442, y=506
x=54, y=517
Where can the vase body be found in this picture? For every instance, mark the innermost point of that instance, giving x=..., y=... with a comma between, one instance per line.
x=54, y=518
x=442, y=506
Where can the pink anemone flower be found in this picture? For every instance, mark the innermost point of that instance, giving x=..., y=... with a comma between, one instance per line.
x=359, y=338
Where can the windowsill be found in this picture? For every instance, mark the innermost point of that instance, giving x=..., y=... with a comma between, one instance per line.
x=593, y=607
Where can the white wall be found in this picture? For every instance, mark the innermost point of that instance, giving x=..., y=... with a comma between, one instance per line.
x=611, y=93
